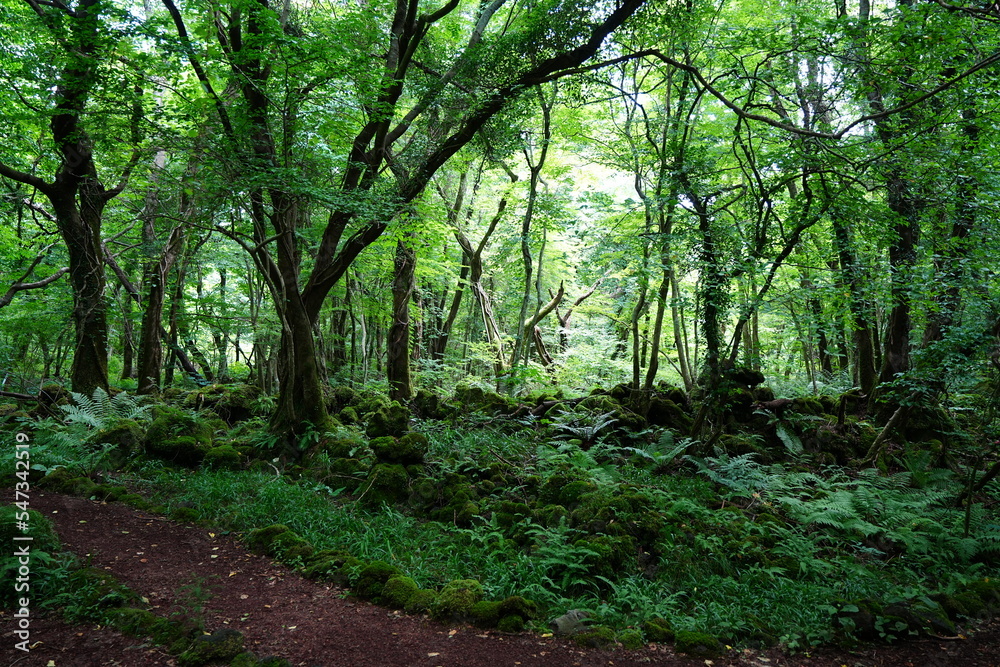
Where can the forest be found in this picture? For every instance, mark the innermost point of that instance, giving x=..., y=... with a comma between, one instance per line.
x=680, y=314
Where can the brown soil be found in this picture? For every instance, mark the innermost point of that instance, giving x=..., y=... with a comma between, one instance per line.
x=315, y=625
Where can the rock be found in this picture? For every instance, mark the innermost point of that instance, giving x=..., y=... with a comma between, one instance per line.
x=572, y=622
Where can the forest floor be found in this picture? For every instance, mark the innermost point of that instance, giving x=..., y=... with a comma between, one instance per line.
x=316, y=625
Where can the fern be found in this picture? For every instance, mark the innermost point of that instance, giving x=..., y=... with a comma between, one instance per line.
x=101, y=409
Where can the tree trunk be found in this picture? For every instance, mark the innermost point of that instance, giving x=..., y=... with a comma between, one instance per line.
x=398, y=357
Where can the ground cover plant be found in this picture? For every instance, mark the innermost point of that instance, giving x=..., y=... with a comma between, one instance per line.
x=648, y=532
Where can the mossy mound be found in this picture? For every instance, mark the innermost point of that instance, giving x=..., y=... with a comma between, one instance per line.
x=178, y=436
x=408, y=449
x=665, y=412
x=387, y=483
x=61, y=480
x=631, y=639
x=456, y=599
x=224, y=457
x=238, y=403
x=470, y=398
x=697, y=644
x=126, y=434
x=485, y=613
x=388, y=420
x=398, y=591
x=372, y=580
x=421, y=601
x=221, y=646
x=338, y=567
x=429, y=405
x=598, y=636
x=272, y=540
x=658, y=630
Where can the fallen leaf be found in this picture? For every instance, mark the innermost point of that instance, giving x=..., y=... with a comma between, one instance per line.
x=143, y=560
x=50, y=663
x=292, y=627
x=124, y=532
x=546, y=634
x=433, y=655
x=233, y=574
x=244, y=596
x=211, y=534
x=214, y=556
x=452, y=633
x=83, y=521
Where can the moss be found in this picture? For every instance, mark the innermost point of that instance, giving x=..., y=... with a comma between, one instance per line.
x=221, y=645
x=987, y=591
x=392, y=419
x=456, y=599
x=109, y=493
x=485, y=614
x=143, y=623
x=512, y=623
x=259, y=540
x=665, y=412
x=290, y=549
x=697, y=644
x=411, y=448
x=631, y=639
x=550, y=515
x=658, y=630
x=224, y=457
x=60, y=480
x=127, y=435
x=517, y=605
x=238, y=403
x=971, y=605
x=398, y=590
x=372, y=579
x=598, y=636
x=184, y=450
x=349, y=416
x=185, y=514
x=178, y=436
x=336, y=567
x=387, y=483
x=421, y=601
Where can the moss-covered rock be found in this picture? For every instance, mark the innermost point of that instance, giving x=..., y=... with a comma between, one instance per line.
x=238, y=403
x=387, y=483
x=665, y=412
x=512, y=623
x=372, y=579
x=398, y=590
x=658, y=630
x=455, y=600
x=697, y=644
x=127, y=435
x=389, y=420
x=260, y=540
x=224, y=457
x=40, y=530
x=598, y=636
x=421, y=601
x=338, y=567
x=631, y=639
x=221, y=646
x=485, y=613
x=515, y=605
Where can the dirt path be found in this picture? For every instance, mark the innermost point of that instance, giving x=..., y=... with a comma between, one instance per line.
x=313, y=625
